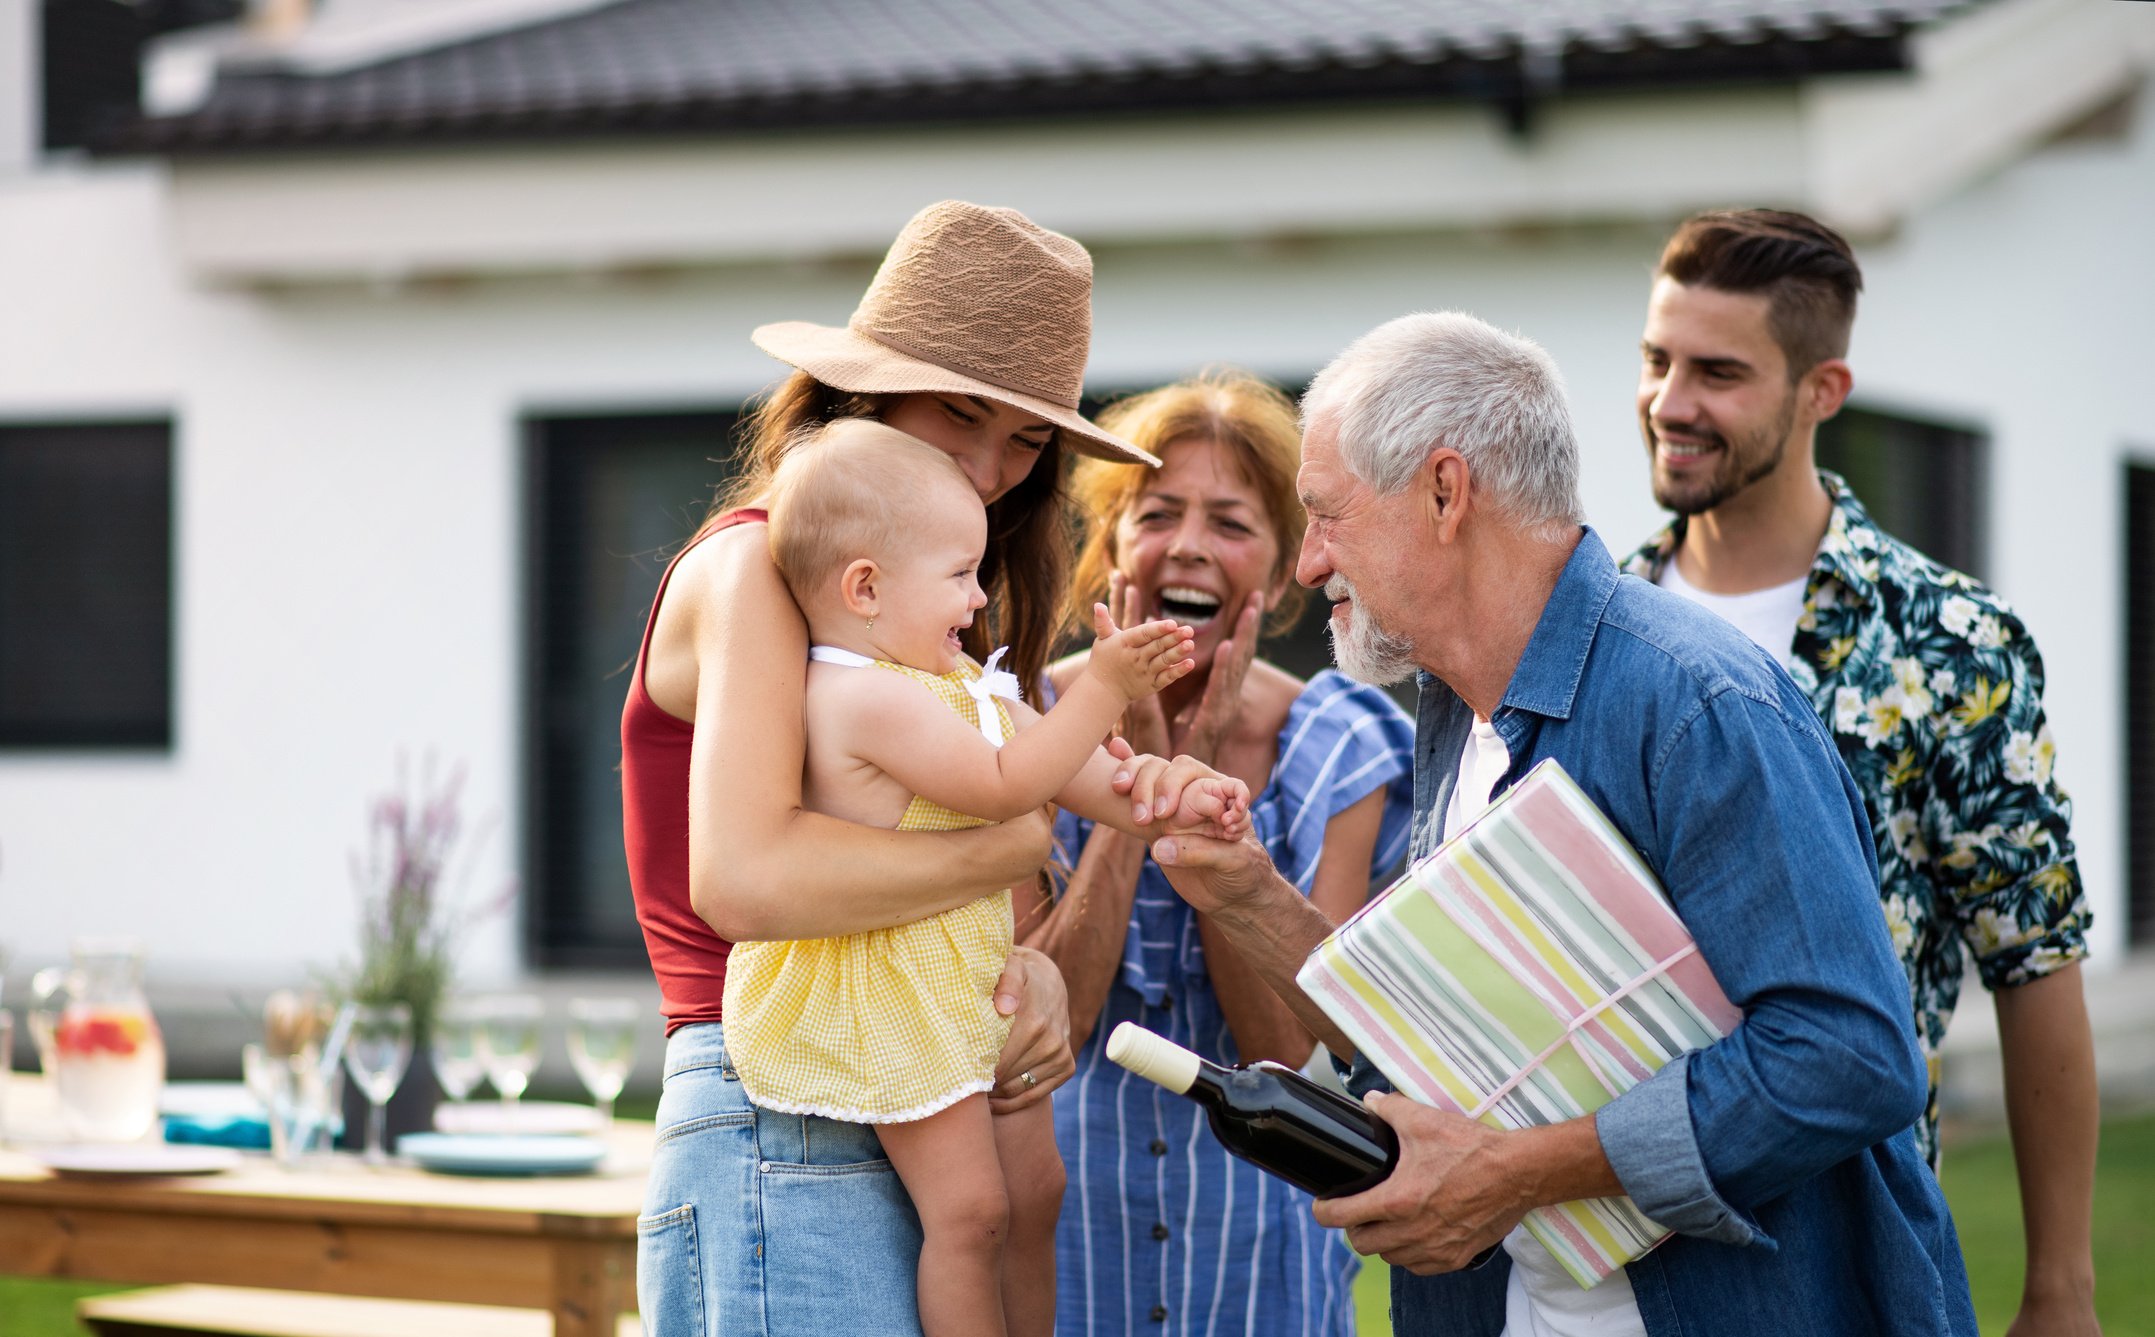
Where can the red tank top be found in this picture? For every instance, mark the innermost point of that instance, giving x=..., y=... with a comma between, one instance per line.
x=688, y=958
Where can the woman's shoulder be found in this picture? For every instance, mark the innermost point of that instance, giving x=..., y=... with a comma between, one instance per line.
x=723, y=560
x=1331, y=695
x=1335, y=718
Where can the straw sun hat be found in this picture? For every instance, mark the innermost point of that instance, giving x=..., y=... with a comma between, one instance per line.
x=970, y=301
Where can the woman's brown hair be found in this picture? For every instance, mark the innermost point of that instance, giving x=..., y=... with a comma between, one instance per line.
x=1257, y=425
x=1028, y=555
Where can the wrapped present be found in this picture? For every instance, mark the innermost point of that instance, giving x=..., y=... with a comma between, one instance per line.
x=1525, y=973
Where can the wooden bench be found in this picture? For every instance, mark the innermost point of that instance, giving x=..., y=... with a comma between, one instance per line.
x=233, y=1311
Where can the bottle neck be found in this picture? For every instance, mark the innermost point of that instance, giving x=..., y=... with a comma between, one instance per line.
x=1159, y=1059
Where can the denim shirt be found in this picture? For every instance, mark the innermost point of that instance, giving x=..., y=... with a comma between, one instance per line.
x=1783, y=1155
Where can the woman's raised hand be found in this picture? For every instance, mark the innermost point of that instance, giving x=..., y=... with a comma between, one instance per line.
x=1138, y=661
x=1198, y=730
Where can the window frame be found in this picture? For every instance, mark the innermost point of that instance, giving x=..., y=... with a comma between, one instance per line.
x=554, y=907
x=158, y=735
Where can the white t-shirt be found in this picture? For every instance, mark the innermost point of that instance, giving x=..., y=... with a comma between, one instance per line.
x=1767, y=616
x=1541, y=1299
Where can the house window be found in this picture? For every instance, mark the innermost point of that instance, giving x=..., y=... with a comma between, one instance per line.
x=2140, y=700
x=1923, y=482
x=609, y=501
x=86, y=585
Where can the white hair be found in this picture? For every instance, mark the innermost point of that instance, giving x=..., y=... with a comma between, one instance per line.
x=1444, y=378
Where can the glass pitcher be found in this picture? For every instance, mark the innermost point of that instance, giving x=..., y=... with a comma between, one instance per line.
x=108, y=1055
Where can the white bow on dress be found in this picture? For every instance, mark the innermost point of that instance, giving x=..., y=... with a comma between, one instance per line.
x=991, y=683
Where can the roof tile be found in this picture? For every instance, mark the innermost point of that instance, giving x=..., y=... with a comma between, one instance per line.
x=639, y=65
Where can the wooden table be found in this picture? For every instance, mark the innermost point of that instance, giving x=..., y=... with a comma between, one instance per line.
x=564, y=1244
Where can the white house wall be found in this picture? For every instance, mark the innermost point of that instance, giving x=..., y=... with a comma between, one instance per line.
x=348, y=489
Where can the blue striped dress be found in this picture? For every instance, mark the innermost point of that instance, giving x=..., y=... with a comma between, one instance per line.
x=1162, y=1231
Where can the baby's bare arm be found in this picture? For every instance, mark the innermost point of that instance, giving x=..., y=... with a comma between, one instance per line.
x=1211, y=803
x=939, y=756
x=898, y=726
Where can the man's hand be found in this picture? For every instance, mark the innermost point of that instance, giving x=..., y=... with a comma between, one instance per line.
x=1447, y=1200
x=1213, y=875
x=1031, y=993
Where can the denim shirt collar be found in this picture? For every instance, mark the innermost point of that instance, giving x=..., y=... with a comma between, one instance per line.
x=1544, y=683
x=1547, y=678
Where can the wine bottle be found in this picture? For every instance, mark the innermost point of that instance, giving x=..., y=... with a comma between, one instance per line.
x=1269, y=1115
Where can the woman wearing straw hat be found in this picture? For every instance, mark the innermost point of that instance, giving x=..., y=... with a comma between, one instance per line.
x=972, y=337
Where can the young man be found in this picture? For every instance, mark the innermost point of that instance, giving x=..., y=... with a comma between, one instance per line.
x=1930, y=687
x=1440, y=473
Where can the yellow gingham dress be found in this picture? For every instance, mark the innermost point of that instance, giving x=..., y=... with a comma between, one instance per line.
x=881, y=1027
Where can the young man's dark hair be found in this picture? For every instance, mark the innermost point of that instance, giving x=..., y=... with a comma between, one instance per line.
x=1806, y=270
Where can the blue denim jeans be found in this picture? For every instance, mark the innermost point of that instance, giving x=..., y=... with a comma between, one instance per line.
x=758, y=1224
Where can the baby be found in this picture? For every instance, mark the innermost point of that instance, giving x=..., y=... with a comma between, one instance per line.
x=880, y=536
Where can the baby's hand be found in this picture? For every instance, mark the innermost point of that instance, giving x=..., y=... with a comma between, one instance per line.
x=1135, y=662
x=1190, y=793
x=1218, y=805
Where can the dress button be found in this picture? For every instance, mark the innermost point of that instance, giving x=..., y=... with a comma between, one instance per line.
x=1159, y=1230
x=1159, y=1313
x=1159, y=1147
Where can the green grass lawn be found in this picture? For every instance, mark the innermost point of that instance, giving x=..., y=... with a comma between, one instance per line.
x=1985, y=1198
x=1978, y=1182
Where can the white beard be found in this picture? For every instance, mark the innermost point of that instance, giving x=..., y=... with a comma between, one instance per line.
x=1363, y=650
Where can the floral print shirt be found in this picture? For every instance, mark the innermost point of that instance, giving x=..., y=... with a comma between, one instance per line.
x=1933, y=693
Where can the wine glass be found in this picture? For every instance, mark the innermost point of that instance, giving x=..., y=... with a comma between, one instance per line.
x=602, y=1047
x=376, y=1054
x=458, y=1048
x=509, y=1044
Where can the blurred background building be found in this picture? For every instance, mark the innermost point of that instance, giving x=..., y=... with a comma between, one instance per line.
x=361, y=361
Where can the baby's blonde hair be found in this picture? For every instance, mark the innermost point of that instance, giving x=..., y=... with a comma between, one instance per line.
x=846, y=490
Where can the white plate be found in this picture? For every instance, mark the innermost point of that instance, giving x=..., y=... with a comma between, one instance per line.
x=530, y=1118
x=136, y=1159
x=209, y=1100
x=495, y=1154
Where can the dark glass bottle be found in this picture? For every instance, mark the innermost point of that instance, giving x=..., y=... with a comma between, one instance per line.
x=1271, y=1116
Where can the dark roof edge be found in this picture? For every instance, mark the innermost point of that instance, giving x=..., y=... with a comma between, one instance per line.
x=1517, y=84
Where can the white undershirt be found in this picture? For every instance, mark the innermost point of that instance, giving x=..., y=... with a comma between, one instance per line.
x=1541, y=1299
x=1767, y=616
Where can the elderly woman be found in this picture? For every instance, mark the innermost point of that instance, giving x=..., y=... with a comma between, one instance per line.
x=1159, y=1223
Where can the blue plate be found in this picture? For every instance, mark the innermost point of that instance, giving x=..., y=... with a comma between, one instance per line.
x=476, y=1154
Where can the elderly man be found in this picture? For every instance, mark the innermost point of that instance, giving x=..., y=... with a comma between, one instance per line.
x=1440, y=475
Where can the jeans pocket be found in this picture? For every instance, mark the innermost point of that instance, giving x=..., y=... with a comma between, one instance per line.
x=669, y=1274
x=841, y=1243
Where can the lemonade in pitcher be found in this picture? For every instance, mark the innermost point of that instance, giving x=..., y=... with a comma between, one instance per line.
x=108, y=1054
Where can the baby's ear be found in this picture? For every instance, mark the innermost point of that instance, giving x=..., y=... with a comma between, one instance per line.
x=857, y=586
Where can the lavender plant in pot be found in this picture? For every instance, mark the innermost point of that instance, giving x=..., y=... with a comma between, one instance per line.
x=409, y=928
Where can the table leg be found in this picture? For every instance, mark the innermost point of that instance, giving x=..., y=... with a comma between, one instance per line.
x=593, y=1281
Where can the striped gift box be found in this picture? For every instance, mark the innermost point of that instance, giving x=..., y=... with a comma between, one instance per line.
x=1525, y=973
